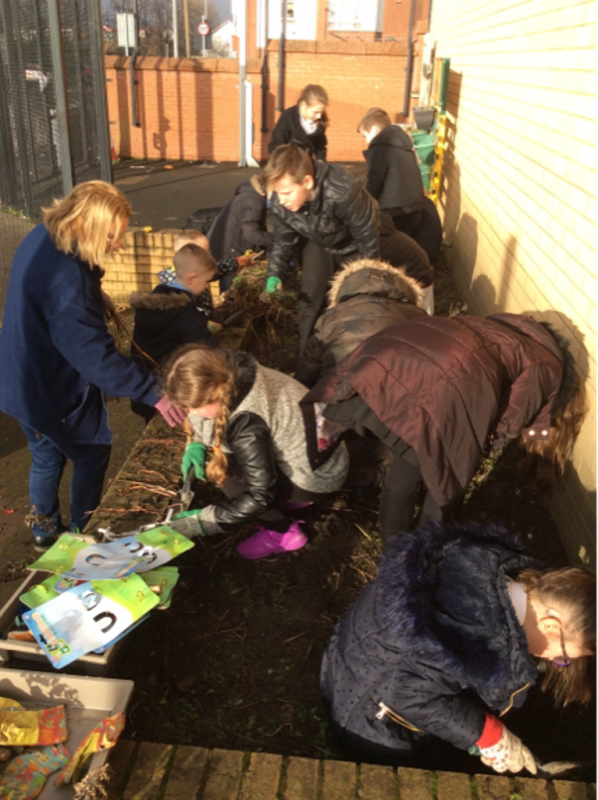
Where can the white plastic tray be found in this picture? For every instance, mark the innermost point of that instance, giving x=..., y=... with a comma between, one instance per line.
x=87, y=701
x=93, y=663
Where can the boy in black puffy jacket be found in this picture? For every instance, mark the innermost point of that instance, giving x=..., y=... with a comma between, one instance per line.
x=393, y=175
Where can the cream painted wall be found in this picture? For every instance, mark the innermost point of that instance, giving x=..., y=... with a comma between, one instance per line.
x=519, y=189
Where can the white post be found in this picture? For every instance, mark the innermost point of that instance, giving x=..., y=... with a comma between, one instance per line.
x=242, y=34
x=250, y=160
x=175, y=29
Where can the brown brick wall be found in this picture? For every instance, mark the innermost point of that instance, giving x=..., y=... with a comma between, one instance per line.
x=188, y=108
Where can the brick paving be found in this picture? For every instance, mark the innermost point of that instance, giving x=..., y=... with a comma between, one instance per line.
x=163, y=772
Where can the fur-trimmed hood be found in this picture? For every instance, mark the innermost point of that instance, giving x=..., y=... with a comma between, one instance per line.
x=257, y=185
x=444, y=586
x=375, y=278
x=161, y=301
x=252, y=185
x=554, y=341
x=434, y=642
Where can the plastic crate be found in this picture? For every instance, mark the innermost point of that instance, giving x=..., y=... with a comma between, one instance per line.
x=87, y=702
x=92, y=663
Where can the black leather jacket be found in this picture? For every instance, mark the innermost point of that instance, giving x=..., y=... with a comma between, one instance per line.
x=342, y=217
x=265, y=438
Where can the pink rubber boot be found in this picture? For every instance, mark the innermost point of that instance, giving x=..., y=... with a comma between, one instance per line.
x=266, y=543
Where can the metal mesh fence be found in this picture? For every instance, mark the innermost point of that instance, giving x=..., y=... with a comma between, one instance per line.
x=50, y=54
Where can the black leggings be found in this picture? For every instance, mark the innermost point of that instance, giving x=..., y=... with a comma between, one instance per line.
x=318, y=267
x=400, y=494
x=274, y=518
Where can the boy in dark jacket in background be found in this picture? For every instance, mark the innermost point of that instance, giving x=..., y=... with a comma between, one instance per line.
x=393, y=175
x=240, y=226
x=172, y=314
x=402, y=251
x=331, y=209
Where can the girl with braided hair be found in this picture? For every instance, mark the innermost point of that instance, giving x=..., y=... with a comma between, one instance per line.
x=246, y=420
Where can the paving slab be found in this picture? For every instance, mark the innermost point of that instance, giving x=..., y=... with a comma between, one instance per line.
x=200, y=774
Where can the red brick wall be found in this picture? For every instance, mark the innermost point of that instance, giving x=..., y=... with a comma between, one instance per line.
x=189, y=108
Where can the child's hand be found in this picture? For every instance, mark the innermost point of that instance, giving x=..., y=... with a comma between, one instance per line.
x=187, y=523
x=171, y=413
x=273, y=284
x=194, y=456
x=509, y=754
x=273, y=288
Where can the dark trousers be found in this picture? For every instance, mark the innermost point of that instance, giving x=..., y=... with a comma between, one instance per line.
x=400, y=494
x=275, y=518
x=408, y=223
x=318, y=267
x=48, y=459
x=427, y=752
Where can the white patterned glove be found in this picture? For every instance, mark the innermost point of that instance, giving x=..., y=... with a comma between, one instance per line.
x=509, y=754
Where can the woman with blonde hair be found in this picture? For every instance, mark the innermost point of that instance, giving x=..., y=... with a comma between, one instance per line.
x=247, y=421
x=304, y=124
x=58, y=359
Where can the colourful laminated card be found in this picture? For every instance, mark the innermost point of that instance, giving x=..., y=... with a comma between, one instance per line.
x=88, y=616
x=75, y=558
x=47, y=590
x=162, y=581
x=100, y=650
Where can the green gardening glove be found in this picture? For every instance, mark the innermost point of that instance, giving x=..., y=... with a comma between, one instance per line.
x=187, y=523
x=273, y=285
x=194, y=456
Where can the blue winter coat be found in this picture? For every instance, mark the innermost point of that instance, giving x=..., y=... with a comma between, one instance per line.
x=57, y=357
x=433, y=642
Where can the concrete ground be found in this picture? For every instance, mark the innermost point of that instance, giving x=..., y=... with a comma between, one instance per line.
x=164, y=198
x=16, y=543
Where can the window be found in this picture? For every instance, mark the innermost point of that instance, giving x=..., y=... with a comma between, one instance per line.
x=355, y=15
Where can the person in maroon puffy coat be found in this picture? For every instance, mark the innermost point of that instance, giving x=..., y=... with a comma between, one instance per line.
x=434, y=390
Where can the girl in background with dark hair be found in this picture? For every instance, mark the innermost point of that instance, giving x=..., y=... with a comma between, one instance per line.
x=304, y=124
x=247, y=424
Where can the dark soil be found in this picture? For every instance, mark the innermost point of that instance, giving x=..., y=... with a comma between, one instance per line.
x=235, y=662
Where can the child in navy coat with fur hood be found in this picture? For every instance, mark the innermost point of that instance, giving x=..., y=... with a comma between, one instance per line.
x=444, y=642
